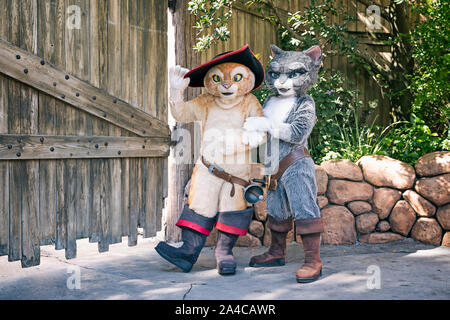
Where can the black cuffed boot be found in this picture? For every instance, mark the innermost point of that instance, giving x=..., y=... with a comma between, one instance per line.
x=231, y=225
x=195, y=229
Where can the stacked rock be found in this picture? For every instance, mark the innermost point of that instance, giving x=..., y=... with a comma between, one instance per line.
x=376, y=200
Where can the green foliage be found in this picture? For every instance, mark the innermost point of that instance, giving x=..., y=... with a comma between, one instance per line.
x=430, y=83
x=341, y=130
x=213, y=14
x=338, y=132
x=262, y=93
x=411, y=140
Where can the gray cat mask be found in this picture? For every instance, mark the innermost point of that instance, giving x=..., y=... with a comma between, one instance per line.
x=293, y=72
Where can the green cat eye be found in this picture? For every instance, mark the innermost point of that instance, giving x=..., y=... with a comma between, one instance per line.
x=237, y=77
x=216, y=78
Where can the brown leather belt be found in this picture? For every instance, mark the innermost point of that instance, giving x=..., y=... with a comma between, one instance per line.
x=295, y=155
x=220, y=173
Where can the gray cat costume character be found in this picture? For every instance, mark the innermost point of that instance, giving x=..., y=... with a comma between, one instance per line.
x=289, y=117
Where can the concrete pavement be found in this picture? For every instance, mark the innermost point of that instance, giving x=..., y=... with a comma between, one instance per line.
x=405, y=269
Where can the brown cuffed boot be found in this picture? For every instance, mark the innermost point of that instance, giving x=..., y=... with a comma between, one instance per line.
x=309, y=230
x=276, y=254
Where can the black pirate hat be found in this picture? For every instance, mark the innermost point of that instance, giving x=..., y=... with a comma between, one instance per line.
x=243, y=56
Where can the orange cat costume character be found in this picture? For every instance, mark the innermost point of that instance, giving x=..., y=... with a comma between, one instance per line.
x=217, y=201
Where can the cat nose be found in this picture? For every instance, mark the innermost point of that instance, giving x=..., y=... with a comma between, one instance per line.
x=226, y=85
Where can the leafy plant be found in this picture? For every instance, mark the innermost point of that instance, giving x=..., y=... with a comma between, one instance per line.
x=430, y=82
x=411, y=140
x=212, y=14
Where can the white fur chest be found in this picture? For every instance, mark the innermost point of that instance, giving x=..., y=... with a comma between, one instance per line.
x=277, y=108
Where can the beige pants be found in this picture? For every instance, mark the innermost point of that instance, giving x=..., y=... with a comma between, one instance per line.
x=209, y=194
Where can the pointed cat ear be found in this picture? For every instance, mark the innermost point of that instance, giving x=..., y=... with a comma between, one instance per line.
x=275, y=50
x=315, y=53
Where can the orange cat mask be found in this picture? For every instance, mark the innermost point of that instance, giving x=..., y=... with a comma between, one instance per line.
x=243, y=56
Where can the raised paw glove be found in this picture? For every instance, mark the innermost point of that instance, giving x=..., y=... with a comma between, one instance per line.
x=178, y=83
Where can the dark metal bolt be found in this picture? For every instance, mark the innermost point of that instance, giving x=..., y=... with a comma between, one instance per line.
x=17, y=56
x=18, y=154
x=104, y=115
x=9, y=146
x=66, y=77
x=42, y=139
x=19, y=140
x=42, y=62
x=118, y=152
x=115, y=100
x=106, y=144
x=94, y=98
x=77, y=94
x=63, y=96
x=52, y=149
x=25, y=71
x=143, y=131
x=54, y=84
x=143, y=147
x=132, y=115
x=96, y=146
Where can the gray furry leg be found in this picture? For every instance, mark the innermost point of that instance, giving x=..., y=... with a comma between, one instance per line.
x=277, y=204
x=299, y=182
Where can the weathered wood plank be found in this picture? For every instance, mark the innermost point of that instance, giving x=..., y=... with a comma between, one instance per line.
x=71, y=200
x=61, y=208
x=94, y=216
x=151, y=188
x=15, y=211
x=30, y=183
x=4, y=19
x=73, y=147
x=91, y=99
x=134, y=201
x=105, y=206
x=48, y=47
x=4, y=171
x=104, y=191
x=125, y=48
x=133, y=64
x=78, y=63
x=140, y=27
x=125, y=204
x=4, y=208
x=115, y=87
x=15, y=187
x=31, y=253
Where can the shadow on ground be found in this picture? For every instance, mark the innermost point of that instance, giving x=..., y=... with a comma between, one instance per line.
x=404, y=269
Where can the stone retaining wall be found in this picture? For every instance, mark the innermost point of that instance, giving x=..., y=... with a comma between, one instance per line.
x=376, y=200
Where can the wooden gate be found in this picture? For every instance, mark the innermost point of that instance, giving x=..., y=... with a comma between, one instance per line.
x=83, y=123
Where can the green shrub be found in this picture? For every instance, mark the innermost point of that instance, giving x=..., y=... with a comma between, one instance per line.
x=411, y=140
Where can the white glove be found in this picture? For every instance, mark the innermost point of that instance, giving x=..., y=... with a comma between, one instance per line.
x=252, y=138
x=178, y=83
x=261, y=124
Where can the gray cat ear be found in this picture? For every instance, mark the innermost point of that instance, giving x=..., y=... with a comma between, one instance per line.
x=315, y=53
x=275, y=50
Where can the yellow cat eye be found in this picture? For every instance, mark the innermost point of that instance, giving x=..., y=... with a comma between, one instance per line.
x=216, y=78
x=237, y=77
